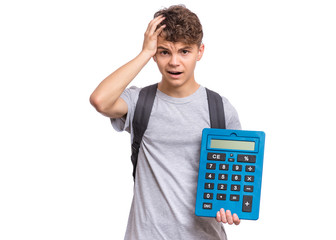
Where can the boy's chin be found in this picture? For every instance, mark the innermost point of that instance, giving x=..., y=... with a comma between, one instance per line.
x=177, y=84
x=173, y=82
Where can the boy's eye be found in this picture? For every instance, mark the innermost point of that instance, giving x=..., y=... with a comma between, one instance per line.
x=164, y=52
x=185, y=52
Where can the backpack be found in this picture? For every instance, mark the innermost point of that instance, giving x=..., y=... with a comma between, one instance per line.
x=144, y=107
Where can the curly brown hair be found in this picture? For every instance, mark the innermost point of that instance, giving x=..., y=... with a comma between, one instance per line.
x=182, y=25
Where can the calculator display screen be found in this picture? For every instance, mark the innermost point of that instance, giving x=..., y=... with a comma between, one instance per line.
x=234, y=145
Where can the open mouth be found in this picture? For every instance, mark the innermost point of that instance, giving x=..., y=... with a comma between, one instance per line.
x=174, y=73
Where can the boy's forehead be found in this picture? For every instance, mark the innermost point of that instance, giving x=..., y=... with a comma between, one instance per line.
x=172, y=45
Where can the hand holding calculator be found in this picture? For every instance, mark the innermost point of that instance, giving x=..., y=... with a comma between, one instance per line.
x=230, y=172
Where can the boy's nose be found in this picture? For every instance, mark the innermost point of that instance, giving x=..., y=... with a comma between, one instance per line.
x=174, y=61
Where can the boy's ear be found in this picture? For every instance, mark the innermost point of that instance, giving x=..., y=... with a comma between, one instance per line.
x=200, y=52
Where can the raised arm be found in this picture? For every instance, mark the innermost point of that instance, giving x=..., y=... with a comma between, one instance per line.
x=106, y=97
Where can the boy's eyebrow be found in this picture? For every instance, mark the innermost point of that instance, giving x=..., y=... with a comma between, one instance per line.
x=160, y=47
x=184, y=47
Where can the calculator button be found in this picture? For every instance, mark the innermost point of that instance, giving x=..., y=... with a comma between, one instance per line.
x=211, y=166
x=209, y=185
x=222, y=176
x=246, y=158
x=247, y=203
x=237, y=167
x=248, y=188
x=221, y=186
x=208, y=196
x=216, y=156
x=249, y=178
x=210, y=176
x=207, y=205
x=221, y=196
x=250, y=168
x=236, y=177
x=234, y=197
x=223, y=166
x=235, y=187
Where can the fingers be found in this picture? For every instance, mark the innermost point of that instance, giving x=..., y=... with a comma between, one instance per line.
x=218, y=217
x=226, y=217
x=159, y=30
x=153, y=25
x=221, y=217
x=236, y=219
x=151, y=36
x=229, y=217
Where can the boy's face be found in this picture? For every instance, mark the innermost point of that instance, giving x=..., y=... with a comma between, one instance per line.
x=177, y=61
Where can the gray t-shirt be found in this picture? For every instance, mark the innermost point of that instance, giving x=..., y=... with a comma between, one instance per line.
x=163, y=205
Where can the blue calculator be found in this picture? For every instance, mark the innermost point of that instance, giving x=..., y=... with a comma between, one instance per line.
x=230, y=172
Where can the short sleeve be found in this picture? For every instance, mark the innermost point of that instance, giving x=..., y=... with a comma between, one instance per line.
x=231, y=116
x=130, y=96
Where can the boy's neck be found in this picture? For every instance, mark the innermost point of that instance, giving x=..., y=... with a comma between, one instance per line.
x=178, y=91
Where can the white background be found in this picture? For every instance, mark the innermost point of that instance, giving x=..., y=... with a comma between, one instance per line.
x=66, y=174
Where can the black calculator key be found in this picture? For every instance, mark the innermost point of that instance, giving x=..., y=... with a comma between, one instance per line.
x=249, y=178
x=208, y=196
x=250, y=168
x=221, y=196
x=209, y=185
x=210, y=176
x=221, y=186
x=236, y=177
x=246, y=158
x=235, y=187
x=237, y=168
x=234, y=197
x=207, y=205
x=222, y=176
x=248, y=188
x=247, y=203
x=224, y=167
x=216, y=156
x=211, y=166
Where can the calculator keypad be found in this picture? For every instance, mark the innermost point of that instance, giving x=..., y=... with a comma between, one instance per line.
x=237, y=170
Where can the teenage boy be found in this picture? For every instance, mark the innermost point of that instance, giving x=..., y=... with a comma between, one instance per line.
x=166, y=175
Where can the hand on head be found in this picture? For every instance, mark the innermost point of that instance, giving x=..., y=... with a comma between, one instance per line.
x=151, y=35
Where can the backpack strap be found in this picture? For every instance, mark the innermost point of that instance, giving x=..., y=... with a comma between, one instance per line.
x=216, y=110
x=141, y=116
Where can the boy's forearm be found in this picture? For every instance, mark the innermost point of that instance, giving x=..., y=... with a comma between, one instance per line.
x=110, y=89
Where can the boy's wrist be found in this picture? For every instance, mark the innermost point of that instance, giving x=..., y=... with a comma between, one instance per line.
x=146, y=55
